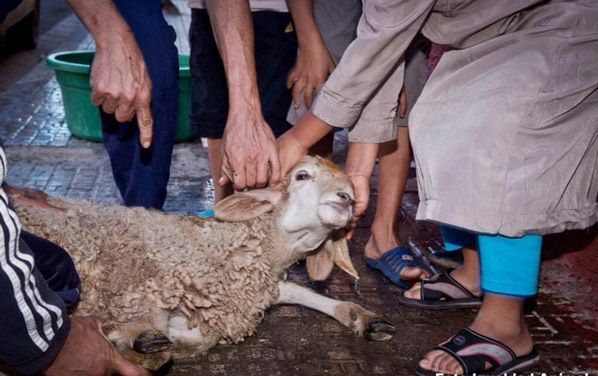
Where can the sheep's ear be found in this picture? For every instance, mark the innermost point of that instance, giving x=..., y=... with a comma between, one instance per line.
x=242, y=206
x=335, y=251
x=319, y=265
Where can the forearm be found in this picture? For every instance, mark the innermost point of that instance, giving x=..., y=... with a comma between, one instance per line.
x=308, y=34
x=233, y=31
x=309, y=130
x=361, y=159
x=103, y=21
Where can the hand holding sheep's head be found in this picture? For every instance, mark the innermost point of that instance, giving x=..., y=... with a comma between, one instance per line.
x=314, y=201
x=320, y=194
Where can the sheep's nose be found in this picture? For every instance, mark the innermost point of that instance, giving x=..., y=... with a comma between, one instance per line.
x=345, y=198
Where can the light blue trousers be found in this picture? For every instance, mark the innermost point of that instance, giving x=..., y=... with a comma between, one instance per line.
x=508, y=266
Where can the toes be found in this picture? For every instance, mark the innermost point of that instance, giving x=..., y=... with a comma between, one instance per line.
x=453, y=366
x=437, y=361
x=426, y=362
x=412, y=273
x=379, y=330
x=440, y=361
x=444, y=363
x=151, y=341
x=430, y=360
x=412, y=293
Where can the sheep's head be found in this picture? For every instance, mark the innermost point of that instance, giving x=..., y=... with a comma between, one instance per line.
x=311, y=207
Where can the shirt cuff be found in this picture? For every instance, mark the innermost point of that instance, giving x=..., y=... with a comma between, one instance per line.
x=330, y=108
x=39, y=364
x=373, y=132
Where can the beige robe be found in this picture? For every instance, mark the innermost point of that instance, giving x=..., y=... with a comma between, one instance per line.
x=505, y=132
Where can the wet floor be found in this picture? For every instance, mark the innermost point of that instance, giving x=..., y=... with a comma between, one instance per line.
x=298, y=341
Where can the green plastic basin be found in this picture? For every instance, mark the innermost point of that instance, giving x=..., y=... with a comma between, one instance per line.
x=82, y=117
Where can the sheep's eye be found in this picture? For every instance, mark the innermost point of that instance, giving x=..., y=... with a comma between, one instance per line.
x=302, y=175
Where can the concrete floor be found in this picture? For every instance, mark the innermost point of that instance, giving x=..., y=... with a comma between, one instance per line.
x=294, y=340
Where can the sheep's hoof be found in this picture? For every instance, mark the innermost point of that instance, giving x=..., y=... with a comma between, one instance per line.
x=151, y=341
x=379, y=330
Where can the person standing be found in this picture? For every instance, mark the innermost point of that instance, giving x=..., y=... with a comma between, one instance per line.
x=134, y=79
x=241, y=52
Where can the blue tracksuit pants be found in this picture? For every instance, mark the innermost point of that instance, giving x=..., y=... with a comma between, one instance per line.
x=508, y=266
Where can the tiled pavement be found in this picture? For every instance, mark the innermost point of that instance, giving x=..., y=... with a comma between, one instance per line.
x=295, y=340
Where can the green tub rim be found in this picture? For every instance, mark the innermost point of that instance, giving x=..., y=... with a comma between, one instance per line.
x=57, y=62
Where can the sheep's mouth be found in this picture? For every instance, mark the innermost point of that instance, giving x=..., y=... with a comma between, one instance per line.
x=341, y=208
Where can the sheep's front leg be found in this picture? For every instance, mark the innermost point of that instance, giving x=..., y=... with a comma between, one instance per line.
x=351, y=315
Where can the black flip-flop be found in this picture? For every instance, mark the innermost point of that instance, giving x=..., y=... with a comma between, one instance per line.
x=472, y=350
x=442, y=292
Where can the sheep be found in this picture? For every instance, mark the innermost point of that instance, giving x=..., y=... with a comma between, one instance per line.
x=170, y=286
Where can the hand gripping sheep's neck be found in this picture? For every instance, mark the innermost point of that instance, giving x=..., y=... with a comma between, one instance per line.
x=169, y=286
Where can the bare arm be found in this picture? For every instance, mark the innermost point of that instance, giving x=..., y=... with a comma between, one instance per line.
x=314, y=62
x=119, y=78
x=295, y=142
x=249, y=144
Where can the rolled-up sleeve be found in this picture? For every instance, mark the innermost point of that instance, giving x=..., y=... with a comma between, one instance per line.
x=385, y=30
x=377, y=121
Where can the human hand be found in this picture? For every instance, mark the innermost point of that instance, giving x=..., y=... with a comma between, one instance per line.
x=290, y=151
x=121, y=84
x=250, y=154
x=361, y=187
x=361, y=160
x=87, y=352
x=311, y=69
x=295, y=142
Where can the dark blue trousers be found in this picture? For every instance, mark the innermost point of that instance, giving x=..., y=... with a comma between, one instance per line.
x=275, y=54
x=142, y=175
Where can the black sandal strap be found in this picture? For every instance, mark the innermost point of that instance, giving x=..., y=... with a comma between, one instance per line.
x=472, y=350
x=432, y=294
